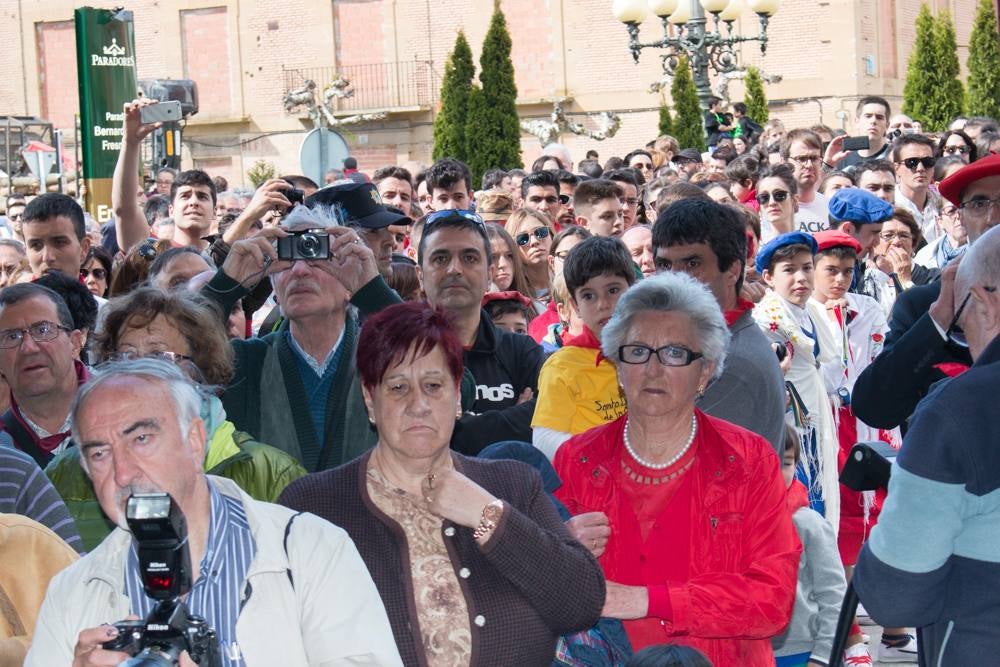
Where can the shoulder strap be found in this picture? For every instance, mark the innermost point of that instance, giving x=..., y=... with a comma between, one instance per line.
x=284, y=542
x=23, y=440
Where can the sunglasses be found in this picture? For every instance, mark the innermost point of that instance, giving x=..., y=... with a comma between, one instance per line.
x=450, y=214
x=563, y=199
x=951, y=150
x=954, y=332
x=540, y=233
x=912, y=162
x=99, y=274
x=764, y=198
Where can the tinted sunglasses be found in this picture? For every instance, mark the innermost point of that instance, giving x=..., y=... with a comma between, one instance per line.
x=540, y=233
x=764, y=198
x=462, y=214
x=912, y=162
x=563, y=199
x=99, y=274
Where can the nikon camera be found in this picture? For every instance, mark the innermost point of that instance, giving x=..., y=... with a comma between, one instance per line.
x=160, y=531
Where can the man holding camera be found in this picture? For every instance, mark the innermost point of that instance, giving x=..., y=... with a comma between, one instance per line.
x=192, y=193
x=296, y=388
x=275, y=587
x=872, y=121
x=932, y=560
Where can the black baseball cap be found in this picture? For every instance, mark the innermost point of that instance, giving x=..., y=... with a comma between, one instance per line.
x=360, y=204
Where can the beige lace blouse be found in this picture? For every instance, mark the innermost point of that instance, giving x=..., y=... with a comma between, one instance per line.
x=442, y=613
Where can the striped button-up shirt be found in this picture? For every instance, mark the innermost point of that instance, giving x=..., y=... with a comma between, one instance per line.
x=215, y=596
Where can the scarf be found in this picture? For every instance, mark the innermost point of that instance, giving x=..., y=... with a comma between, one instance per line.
x=742, y=306
x=945, y=253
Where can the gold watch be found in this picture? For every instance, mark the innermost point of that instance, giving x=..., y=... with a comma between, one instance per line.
x=491, y=517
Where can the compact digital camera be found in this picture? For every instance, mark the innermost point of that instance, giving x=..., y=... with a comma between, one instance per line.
x=304, y=245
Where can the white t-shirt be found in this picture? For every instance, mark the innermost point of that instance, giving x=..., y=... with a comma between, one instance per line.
x=814, y=216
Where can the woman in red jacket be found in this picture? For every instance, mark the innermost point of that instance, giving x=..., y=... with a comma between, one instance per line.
x=685, y=512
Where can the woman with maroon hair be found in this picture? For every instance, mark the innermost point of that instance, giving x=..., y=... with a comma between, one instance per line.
x=469, y=555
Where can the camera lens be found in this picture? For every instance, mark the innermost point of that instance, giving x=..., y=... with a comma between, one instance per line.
x=308, y=246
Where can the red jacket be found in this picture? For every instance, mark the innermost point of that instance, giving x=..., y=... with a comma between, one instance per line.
x=744, y=552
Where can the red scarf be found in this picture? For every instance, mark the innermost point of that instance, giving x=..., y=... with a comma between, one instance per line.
x=48, y=443
x=742, y=306
x=587, y=340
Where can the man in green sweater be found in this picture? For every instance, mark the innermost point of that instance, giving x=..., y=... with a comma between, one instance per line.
x=297, y=388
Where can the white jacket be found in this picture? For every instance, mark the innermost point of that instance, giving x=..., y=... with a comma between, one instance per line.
x=333, y=617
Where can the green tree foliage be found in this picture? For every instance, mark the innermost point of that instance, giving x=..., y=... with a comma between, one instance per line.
x=259, y=172
x=951, y=94
x=754, y=96
x=449, y=125
x=688, y=125
x=922, y=89
x=493, y=131
x=984, y=64
x=666, y=122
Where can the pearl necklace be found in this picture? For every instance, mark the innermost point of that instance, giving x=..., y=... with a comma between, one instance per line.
x=672, y=461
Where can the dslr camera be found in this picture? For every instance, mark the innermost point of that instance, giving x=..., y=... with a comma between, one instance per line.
x=160, y=531
x=306, y=244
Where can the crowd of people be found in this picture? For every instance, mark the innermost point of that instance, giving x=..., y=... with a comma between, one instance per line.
x=582, y=414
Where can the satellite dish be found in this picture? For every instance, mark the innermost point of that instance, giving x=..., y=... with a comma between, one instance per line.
x=321, y=151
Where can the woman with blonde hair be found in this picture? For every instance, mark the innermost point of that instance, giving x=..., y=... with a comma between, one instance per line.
x=532, y=231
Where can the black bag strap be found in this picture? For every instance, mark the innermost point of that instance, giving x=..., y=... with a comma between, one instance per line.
x=288, y=531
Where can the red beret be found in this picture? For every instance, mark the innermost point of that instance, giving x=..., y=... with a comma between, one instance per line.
x=506, y=296
x=951, y=188
x=833, y=238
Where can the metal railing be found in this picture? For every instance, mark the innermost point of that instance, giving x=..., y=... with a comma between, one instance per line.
x=394, y=85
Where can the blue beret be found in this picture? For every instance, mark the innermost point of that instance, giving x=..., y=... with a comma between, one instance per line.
x=858, y=206
x=786, y=239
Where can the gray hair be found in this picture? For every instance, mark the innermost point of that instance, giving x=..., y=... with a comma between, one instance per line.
x=15, y=244
x=670, y=292
x=185, y=394
x=981, y=263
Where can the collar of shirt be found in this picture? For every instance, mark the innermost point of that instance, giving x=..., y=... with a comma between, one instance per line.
x=41, y=432
x=319, y=367
x=215, y=596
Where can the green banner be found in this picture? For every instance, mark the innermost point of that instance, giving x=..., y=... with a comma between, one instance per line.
x=105, y=64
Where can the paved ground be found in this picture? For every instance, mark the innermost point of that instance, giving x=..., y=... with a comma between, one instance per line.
x=876, y=635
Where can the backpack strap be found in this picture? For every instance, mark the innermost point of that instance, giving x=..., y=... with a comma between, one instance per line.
x=288, y=531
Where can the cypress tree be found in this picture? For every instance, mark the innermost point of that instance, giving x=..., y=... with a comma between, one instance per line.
x=493, y=131
x=666, y=122
x=984, y=64
x=688, y=125
x=950, y=96
x=754, y=96
x=449, y=125
x=922, y=77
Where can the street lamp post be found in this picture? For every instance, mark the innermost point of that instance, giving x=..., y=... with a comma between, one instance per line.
x=704, y=48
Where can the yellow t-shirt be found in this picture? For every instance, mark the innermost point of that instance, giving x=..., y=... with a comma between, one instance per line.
x=575, y=393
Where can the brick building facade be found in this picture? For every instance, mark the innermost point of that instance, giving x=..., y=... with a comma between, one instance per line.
x=245, y=54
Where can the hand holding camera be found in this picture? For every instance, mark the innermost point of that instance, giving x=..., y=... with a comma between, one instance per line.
x=269, y=196
x=136, y=129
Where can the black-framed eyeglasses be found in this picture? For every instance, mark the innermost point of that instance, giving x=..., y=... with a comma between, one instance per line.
x=803, y=160
x=563, y=199
x=951, y=150
x=669, y=355
x=912, y=162
x=539, y=233
x=764, y=198
x=954, y=332
x=464, y=214
x=99, y=274
x=978, y=208
x=40, y=332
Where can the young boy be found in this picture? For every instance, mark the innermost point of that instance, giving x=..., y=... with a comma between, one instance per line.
x=599, y=207
x=509, y=310
x=568, y=325
x=578, y=387
x=808, y=639
x=858, y=327
x=786, y=316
